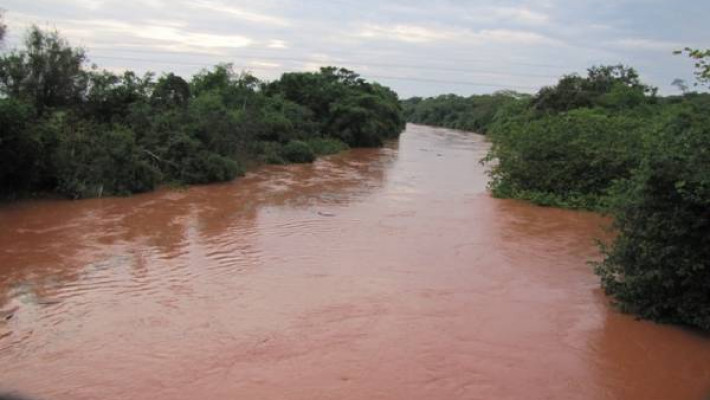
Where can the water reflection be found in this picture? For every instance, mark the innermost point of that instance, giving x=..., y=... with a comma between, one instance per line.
x=55, y=251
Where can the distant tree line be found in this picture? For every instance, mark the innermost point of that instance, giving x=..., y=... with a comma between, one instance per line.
x=606, y=141
x=86, y=132
x=474, y=113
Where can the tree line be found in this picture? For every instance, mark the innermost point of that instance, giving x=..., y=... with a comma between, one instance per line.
x=474, y=113
x=608, y=142
x=81, y=131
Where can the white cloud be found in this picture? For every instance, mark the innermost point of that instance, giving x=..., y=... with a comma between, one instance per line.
x=175, y=34
x=264, y=64
x=240, y=13
x=647, y=44
x=520, y=15
x=514, y=36
x=90, y=4
x=405, y=33
x=421, y=34
x=196, y=39
x=277, y=44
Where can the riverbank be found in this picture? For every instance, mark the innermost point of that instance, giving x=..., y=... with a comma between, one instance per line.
x=83, y=132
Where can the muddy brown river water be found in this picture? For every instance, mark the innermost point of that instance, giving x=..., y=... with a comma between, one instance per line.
x=373, y=274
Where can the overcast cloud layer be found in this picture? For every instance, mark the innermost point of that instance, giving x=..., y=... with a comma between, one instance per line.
x=416, y=47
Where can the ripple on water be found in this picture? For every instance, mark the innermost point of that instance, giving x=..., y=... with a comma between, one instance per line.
x=376, y=273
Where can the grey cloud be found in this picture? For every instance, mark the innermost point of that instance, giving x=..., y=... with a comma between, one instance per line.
x=417, y=47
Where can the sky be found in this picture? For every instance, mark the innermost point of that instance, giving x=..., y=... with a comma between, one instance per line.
x=418, y=48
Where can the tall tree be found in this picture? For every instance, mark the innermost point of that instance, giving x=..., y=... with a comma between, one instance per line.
x=47, y=73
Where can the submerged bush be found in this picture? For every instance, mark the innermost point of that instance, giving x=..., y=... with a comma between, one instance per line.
x=297, y=151
x=659, y=265
x=569, y=159
x=607, y=142
x=326, y=146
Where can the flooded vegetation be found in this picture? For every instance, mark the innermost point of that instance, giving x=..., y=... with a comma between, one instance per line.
x=373, y=274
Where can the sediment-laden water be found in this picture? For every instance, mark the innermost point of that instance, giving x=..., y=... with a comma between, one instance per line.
x=374, y=274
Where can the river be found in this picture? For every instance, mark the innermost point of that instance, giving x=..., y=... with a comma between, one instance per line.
x=373, y=274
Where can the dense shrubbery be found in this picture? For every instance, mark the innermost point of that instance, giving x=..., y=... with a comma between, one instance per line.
x=568, y=160
x=659, y=265
x=474, y=113
x=84, y=132
x=606, y=141
x=568, y=144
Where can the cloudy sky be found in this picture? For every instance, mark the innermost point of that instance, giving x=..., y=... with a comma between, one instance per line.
x=416, y=47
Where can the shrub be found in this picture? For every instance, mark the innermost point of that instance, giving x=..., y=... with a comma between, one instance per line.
x=475, y=113
x=297, y=151
x=659, y=265
x=95, y=160
x=568, y=159
x=326, y=146
x=21, y=150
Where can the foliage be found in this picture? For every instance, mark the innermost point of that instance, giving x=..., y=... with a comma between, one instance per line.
x=297, y=151
x=475, y=113
x=21, y=148
x=48, y=73
x=608, y=142
x=607, y=86
x=326, y=146
x=569, y=159
x=567, y=145
x=87, y=132
x=659, y=265
x=92, y=160
x=701, y=58
x=344, y=105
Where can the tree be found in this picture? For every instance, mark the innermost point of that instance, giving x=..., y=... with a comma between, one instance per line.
x=21, y=149
x=658, y=266
x=109, y=97
x=474, y=113
x=3, y=27
x=573, y=91
x=47, y=73
x=171, y=91
x=702, y=64
x=89, y=132
x=680, y=84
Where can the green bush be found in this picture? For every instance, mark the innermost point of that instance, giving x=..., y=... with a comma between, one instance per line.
x=95, y=160
x=568, y=159
x=269, y=152
x=210, y=167
x=22, y=151
x=87, y=132
x=297, y=151
x=326, y=146
x=475, y=113
x=659, y=264
x=606, y=142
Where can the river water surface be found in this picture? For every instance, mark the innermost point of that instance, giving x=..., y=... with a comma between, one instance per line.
x=373, y=274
